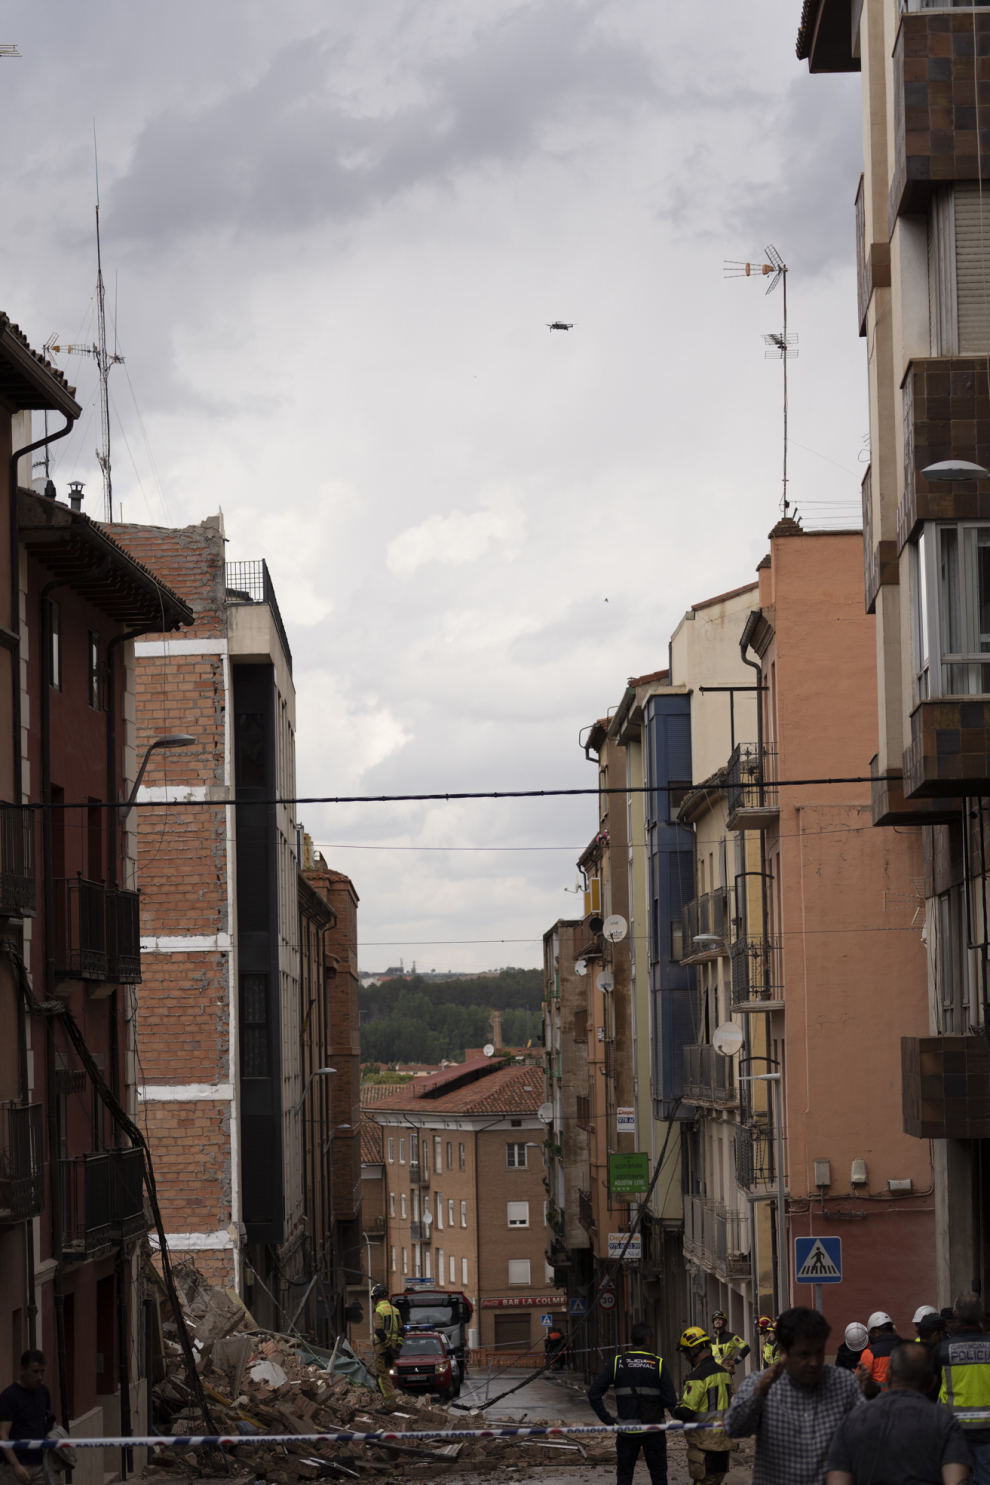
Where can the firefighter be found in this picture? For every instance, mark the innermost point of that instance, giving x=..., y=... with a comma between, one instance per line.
x=388, y=1343
x=727, y=1347
x=769, y=1351
x=707, y=1389
x=643, y=1388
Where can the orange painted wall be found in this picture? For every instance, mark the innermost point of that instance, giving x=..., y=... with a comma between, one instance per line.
x=855, y=970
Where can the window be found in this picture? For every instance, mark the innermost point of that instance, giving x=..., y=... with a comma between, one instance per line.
x=518, y=1270
x=464, y=1277
x=402, y=1152
x=394, y=1270
x=439, y=1211
x=55, y=652
x=391, y=1149
x=515, y=1124
x=414, y=1149
x=450, y=1156
x=254, y=1026
x=515, y=1157
x=93, y=655
x=402, y=1205
x=463, y=1157
x=417, y=1269
x=391, y=1203
x=464, y=1214
x=951, y=582
x=440, y=1268
x=437, y=1154
x=415, y=1204
x=450, y=1212
x=426, y=1264
x=405, y=1262
x=453, y=1269
x=518, y=1213
x=952, y=966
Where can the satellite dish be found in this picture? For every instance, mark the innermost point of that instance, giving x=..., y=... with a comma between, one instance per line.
x=581, y=966
x=615, y=928
x=545, y=1113
x=488, y=1049
x=606, y=982
x=727, y=1039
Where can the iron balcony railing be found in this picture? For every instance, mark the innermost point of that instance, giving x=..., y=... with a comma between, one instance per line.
x=752, y=777
x=102, y=1200
x=419, y=1173
x=373, y=1224
x=417, y=1231
x=18, y=897
x=80, y=929
x=757, y=969
x=754, y=1156
x=709, y=1078
x=123, y=936
x=250, y=582
x=716, y=1236
x=586, y=1211
x=720, y=912
x=708, y=914
x=22, y=1186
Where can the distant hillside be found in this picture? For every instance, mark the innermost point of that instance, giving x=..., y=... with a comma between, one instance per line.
x=416, y=1021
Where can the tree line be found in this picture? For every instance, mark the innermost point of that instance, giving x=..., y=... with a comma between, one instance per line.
x=417, y=1020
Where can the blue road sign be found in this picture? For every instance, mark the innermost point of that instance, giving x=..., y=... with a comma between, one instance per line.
x=818, y=1260
x=546, y=1320
x=578, y=1307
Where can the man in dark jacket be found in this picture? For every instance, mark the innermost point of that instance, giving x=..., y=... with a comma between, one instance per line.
x=643, y=1388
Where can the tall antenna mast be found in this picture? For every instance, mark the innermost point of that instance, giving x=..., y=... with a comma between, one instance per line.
x=779, y=342
x=103, y=361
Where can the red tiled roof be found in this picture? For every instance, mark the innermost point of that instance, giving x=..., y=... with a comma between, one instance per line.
x=371, y=1142
x=375, y=1092
x=644, y=680
x=721, y=597
x=507, y=1090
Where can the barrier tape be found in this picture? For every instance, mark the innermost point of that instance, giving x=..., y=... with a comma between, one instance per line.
x=347, y=1436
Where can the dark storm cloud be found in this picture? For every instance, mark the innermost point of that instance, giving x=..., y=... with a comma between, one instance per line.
x=291, y=150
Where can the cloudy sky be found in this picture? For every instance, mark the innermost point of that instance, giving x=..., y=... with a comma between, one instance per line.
x=334, y=234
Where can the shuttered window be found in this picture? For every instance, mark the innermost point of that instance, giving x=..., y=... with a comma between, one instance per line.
x=972, y=234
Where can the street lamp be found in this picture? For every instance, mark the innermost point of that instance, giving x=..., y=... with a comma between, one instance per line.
x=172, y=740
x=320, y=1072
x=955, y=469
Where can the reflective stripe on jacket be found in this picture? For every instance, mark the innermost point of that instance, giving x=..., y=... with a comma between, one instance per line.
x=728, y=1346
x=876, y=1357
x=389, y=1321
x=708, y=1389
x=770, y=1353
x=965, y=1386
x=642, y=1385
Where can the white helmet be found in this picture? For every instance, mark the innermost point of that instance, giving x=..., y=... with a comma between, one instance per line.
x=857, y=1336
x=921, y=1312
x=878, y=1318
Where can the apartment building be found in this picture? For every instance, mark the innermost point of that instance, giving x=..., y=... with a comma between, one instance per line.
x=220, y=1010
x=467, y=1203
x=72, y=1214
x=922, y=241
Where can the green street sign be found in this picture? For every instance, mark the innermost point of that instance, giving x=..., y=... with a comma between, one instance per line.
x=628, y=1173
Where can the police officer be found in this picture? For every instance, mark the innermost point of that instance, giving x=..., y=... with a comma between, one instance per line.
x=965, y=1362
x=727, y=1347
x=388, y=1342
x=707, y=1389
x=643, y=1387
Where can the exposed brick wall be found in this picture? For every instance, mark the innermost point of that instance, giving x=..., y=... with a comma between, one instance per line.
x=187, y=991
x=190, y=1145
x=191, y=561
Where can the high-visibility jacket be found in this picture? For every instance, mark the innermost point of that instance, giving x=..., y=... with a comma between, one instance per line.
x=876, y=1357
x=388, y=1324
x=642, y=1384
x=771, y=1353
x=728, y=1347
x=965, y=1361
x=707, y=1389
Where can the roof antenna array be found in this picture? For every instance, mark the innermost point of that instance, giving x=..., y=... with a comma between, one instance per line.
x=780, y=344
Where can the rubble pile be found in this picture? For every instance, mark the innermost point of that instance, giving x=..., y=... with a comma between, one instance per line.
x=259, y=1382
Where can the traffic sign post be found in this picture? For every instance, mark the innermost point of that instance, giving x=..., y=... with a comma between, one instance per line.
x=818, y=1261
x=546, y=1320
x=578, y=1306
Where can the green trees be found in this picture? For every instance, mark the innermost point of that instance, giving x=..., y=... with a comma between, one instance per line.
x=416, y=1020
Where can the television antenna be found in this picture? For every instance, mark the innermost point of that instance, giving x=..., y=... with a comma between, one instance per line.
x=780, y=345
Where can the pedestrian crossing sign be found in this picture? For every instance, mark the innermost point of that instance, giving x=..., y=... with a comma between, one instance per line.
x=818, y=1260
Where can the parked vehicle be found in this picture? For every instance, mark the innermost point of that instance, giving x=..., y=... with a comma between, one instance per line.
x=446, y=1310
x=427, y=1364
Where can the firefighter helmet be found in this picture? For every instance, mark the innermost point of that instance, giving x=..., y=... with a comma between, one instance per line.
x=379, y=1292
x=692, y=1338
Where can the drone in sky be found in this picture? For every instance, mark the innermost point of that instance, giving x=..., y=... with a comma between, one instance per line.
x=559, y=325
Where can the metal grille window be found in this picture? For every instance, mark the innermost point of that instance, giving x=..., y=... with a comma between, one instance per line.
x=515, y=1157
x=254, y=1026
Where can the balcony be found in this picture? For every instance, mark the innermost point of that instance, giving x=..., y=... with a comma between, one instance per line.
x=948, y=756
x=123, y=936
x=890, y=807
x=716, y=1237
x=709, y=1078
x=102, y=1200
x=17, y=886
x=752, y=787
x=945, y=1087
x=22, y=1186
x=372, y=1225
x=754, y=1157
x=418, y=1232
x=80, y=929
x=946, y=415
x=757, y=974
x=708, y=914
x=586, y=1212
x=250, y=582
x=419, y=1173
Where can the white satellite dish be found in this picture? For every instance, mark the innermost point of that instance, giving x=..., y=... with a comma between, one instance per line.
x=545, y=1113
x=581, y=966
x=615, y=928
x=727, y=1039
x=488, y=1049
x=606, y=982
